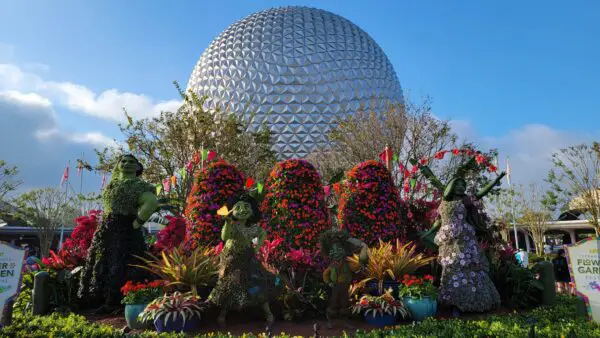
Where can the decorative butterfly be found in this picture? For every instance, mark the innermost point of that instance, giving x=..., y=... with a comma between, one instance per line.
x=224, y=211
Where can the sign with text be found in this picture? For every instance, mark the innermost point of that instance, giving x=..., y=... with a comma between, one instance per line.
x=11, y=269
x=584, y=266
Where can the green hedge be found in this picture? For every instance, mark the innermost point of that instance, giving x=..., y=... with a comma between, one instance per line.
x=557, y=321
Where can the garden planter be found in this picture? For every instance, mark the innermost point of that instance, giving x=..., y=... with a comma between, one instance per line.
x=176, y=325
x=380, y=320
x=131, y=316
x=204, y=291
x=420, y=309
x=373, y=291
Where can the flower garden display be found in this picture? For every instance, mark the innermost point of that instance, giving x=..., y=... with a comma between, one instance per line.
x=294, y=206
x=369, y=203
x=136, y=297
x=243, y=281
x=465, y=283
x=419, y=296
x=338, y=246
x=177, y=312
x=213, y=186
x=128, y=203
x=380, y=310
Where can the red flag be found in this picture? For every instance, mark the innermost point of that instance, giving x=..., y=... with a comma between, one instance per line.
x=211, y=155
x=249, y=182
x=166, y=185
x=386, y=155
x=65, y=177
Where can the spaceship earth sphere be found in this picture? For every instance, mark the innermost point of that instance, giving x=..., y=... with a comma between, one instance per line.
x=297, y=69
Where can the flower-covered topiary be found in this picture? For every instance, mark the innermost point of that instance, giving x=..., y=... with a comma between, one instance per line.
x=369, y=203
x=170, y=237
x=212, y=187
x=294, y=205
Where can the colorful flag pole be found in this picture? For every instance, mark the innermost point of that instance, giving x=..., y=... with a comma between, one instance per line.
x=386, y=157
x=103, y=179
x=65, y=181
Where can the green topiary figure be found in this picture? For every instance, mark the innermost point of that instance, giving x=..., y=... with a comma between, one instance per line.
x=243, y=281
x=294, y=206
x=546, y=273
x=213, y=186
x=369, y=204
x=128, y=203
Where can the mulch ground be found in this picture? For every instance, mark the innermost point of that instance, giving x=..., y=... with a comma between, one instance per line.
x=252, y=322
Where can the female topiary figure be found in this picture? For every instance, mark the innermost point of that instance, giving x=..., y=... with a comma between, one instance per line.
x=294, y=205
x=369, y=204
x=128, y=203
x=213, y=186
x=243, y=281
x=465, y=283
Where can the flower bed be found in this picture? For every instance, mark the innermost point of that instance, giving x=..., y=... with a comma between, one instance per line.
x=559, y=320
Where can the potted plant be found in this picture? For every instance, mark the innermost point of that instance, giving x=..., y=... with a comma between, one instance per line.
x=177, y=312
x=380, y=310
x=136, y=297
x=419, y=296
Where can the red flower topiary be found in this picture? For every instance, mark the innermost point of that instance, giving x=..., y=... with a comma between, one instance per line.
x=294, y=205
x=212, y=187
x=369, y=204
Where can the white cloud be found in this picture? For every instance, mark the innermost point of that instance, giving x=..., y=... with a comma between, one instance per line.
x=530, y=148
x=107, y=105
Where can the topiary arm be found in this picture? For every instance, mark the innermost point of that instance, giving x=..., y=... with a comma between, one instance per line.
x=226, y=231
x=262, y=235
x=148, y=205
x=485, y=190
x=426, y=171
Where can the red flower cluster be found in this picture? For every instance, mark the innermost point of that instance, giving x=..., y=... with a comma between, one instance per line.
x=75, y=248
x=369, y=204
x=131, y=286
x=212, y=187
x=169, y=237
x=420, y=214
x=294, y=205
x=409, y=280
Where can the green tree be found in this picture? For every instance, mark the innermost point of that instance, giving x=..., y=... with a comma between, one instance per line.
x=46, y=210
x=166, y=143
x=575, y=181
x=506, y=206
x=535, y=215
x=8, y=181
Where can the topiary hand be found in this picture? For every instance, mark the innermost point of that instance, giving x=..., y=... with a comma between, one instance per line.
x=136, y=224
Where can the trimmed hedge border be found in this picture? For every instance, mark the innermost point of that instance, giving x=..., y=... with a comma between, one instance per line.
x=559, y=320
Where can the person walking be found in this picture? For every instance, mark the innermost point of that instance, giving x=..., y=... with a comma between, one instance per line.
x=561, y=272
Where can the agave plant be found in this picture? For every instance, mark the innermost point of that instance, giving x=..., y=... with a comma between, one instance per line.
x=171, y=307
x=181, y=269
x=390, y=261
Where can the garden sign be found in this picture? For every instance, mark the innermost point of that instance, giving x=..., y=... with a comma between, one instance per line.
x=584, y=266
x=11, y=268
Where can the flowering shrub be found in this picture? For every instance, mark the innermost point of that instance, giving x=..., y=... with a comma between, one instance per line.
x=416, y=287
x=142, y=293
x=171, y=236
x=385, y=304
x=294, y=205
x=369, y=204
x=212, y=187
x=419, y=215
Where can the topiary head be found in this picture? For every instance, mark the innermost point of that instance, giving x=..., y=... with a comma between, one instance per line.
x=244, y=207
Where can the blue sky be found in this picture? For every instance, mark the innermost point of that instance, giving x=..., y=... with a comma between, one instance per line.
x=521, y=76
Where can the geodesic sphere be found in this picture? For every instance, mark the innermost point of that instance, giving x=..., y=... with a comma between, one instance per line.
x=298, y=70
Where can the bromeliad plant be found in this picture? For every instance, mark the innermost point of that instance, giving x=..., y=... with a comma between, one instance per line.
x=385, y=304
x=417, y=287
x=389, y=261
x=184, y=270
x=142, y=293
x=173, y=306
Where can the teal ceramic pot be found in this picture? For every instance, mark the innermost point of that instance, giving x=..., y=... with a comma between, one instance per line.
x=420, y=309
x=131, y=314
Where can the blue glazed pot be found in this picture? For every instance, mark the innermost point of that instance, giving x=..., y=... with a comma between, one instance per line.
x=171, y=325
x=131, y=314
x=373, y=291
x=420, y=309
x=381, y=320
